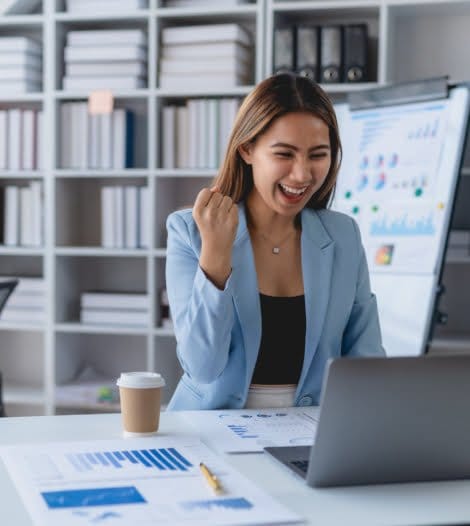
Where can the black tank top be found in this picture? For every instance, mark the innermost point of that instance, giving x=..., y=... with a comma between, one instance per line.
x=281, y=352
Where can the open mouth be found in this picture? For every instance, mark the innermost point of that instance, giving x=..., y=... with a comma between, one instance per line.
x=291, y=192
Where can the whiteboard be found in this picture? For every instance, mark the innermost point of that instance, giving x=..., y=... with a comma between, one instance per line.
x=398, y=179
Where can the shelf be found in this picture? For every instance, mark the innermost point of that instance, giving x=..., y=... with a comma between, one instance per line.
x=22, y=394
x=23, y=327
x=454, y=343
x=98, y=174
x=183, y=172
x=328, y=6
x=348, y=88
x=30, y=174
x=26, y=21
x=235, y=91
x=21, y=251
x=101, y=252
x=141, y=93
x=22, y=97
x=458, y=260
x=105, y=408
x=135, y=15
x=159, y=253
x=80, y=328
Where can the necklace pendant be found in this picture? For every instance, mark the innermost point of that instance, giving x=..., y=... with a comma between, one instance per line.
x=276, y=250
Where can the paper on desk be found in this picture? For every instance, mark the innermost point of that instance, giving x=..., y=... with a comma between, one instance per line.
x=135, y=482
x=251, y=430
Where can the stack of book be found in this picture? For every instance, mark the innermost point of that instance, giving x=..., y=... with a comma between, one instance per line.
x=27, y=304
x=113, y=59
x=21, y=139
x=195, y=135
x=124, y=213
x=22, y=215
x=215, y=56
x=111, y=7
x=20, y=65
x=112, y=308
x=109, y=138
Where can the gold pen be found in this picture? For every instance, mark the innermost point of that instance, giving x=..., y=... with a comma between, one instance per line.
x=212, y=480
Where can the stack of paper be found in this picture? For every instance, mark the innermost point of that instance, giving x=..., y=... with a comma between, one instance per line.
x=105, y=59
x=111, y=308
x=27, y=303
x=215, y=56
x=20, y=65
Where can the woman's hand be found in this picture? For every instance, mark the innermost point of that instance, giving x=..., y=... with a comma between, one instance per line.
x=216, y=217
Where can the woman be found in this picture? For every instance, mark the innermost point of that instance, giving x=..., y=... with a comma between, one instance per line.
x=265, y=284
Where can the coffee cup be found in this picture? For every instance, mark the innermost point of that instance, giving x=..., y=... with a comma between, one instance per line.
x=140, y=394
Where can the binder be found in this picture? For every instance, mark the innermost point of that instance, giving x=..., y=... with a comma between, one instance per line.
x=308, y=56
x=330, y=54
x=355, y=53
x=284, y=49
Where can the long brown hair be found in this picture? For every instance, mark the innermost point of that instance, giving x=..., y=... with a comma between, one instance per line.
x=269, y=100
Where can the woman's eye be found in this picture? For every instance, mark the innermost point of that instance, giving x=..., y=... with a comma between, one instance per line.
x=318, y=155
x=284, y=154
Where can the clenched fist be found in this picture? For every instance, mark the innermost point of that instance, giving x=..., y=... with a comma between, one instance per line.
x=216, y=217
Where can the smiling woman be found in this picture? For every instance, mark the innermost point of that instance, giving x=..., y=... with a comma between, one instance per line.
x=264, y=283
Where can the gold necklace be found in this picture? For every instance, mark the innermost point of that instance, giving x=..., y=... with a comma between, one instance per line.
x=276, y=248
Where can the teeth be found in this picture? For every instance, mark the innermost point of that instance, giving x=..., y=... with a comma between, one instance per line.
x=290, y=190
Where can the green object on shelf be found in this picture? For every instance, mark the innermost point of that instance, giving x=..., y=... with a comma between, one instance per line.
x=105, y=394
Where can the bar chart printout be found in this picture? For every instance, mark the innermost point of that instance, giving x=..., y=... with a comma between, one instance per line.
x=142, y=482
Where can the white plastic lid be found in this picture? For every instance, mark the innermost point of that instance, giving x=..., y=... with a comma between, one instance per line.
x=140, y=380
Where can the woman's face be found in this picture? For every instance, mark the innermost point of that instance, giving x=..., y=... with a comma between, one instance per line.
x=290, y=162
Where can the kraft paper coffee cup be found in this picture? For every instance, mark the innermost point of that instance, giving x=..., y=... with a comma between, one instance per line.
x=140, y=394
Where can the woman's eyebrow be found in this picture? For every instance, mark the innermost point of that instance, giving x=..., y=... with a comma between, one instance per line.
x=295, y=148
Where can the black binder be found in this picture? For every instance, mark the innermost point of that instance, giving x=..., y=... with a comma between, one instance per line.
x=355, y=53
x=284, y=49
x=330, y=54
x=308, y=52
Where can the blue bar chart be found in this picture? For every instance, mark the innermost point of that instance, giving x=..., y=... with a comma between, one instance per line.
x=162, y=459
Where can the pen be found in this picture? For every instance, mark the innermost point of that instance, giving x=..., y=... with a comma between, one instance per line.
x=212, y=480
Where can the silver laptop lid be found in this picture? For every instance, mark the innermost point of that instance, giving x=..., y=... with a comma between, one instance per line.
x=393, y=420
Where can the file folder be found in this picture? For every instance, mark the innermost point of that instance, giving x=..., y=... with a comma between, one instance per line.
x=284, y=49
x=330, y=54
x=308, y=43
x=355, y=53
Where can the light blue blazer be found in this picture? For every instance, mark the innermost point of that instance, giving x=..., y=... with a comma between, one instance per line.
x=218, y=332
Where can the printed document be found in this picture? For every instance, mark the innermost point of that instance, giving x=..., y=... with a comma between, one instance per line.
x=135, y=482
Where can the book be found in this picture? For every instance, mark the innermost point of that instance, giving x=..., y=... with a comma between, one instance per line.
x=97, y=53
x=103, y=6
x=308, y=52
x=144, y=205
x=203, y=3
x=27, y=285
x=20, y=59
x=40, y=140
x=89, y=69
x=182, y=137
x=97, y=38
x=26, y=218
x=284, y=49
x=206, y=33
x=3, y=140
x=127, y=317
x=179, y=82
x=17, y=44
x=119, y=218
x=22, y=315
x=36, y=213
x=110, y=82
x=14, y=139
x=114, y=300
x=26, y=301
x=131, y=198
x=107, y=217
x=203, y=66
x=207, y=50
x=28, y=140
x=355, y=53
x=106, y=141
x=21, y=73
x=330, y=53
x=168, y=134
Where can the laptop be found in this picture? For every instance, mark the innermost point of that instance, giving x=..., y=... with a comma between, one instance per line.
x=385, y=420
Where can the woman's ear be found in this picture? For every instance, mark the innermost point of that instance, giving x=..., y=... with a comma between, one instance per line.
x=245, y=153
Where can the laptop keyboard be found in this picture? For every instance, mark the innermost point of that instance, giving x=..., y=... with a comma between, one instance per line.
x=301, y=464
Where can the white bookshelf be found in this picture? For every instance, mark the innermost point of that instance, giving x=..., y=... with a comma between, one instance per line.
x=33, y=358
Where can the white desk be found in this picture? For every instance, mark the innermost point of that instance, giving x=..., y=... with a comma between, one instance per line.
x=397, y=504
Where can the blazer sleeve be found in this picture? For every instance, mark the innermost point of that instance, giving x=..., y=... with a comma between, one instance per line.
x=202, y=314
x=362, y=335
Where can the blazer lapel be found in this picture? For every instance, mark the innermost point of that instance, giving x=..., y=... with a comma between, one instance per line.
x=246, y=294
x=317, y=263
